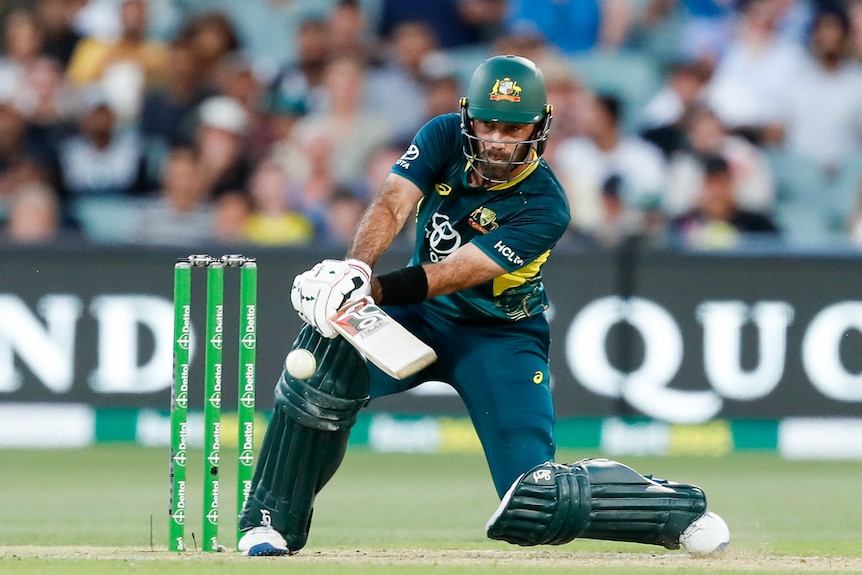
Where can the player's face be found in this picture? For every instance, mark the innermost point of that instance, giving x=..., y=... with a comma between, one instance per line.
x=503, y=146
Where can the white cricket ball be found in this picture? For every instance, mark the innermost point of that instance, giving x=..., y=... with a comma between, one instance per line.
x=300, y=363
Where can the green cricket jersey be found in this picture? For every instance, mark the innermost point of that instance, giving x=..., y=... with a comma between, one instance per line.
x=516, y=224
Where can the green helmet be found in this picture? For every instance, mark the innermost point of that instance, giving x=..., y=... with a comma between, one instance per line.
x=508, y=89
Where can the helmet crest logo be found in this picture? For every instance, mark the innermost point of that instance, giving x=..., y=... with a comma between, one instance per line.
x=506, y=89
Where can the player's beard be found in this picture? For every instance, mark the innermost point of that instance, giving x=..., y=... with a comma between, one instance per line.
x=497, y=166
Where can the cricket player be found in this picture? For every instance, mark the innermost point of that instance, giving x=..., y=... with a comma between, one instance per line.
x=489, y=211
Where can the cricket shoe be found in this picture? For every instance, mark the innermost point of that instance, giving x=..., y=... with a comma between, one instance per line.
x=263, y=542
x=706, y=534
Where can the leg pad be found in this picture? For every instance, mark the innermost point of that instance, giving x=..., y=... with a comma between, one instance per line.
x=306, y=438
x=597, y=499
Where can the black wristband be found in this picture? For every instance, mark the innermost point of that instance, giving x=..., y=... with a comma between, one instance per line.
x=405, y=286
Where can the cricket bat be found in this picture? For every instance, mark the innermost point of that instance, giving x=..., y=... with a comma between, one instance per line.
x=382, y=340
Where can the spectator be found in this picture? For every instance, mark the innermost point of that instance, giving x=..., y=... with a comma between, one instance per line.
x=529, y=43
x=376, y=170
x=707, y=28
x=168, y=110
x=60, y=38
x=756, y=69
x=100, y=159
x=17, y=163
x=821, y=116
x=662, y=119
x=265, y=29
x=273, y=221
x=399, y=86
x=22, y=46
x=574, y=27
x=345, y=132
x=34, y=83
x=795, y=17
x=311, y=179
x=278, y=116
x=855, y=12
x=237, y=79
x=585, y=163
x=299, y=84
x=348, y=33
x=48, y=95
x=620, y=220
x=23, y=39
x=342, y=218
x=220, y=141
x=211, y=37
x=125, y=67
x=751, y=175
x=98, y=19
x=181, y=214
x=717, y=222
x=569, y=98
x=455, y=23
x=34, y=214
x=232, y=211
x=442, y=93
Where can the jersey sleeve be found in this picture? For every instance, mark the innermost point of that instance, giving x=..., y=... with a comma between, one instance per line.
x=527, y=236
x=433, y=148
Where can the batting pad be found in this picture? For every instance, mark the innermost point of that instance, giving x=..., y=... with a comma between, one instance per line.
x=307, y=437
x=596, y=499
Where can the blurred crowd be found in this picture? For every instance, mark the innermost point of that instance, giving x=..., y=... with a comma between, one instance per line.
x=705, y=124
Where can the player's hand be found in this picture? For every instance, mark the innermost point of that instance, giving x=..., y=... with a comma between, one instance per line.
x=321, y=291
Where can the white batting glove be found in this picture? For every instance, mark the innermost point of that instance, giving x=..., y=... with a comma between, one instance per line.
x=324, y=289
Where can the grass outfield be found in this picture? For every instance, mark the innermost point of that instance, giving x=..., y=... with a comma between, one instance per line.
x=103, y=510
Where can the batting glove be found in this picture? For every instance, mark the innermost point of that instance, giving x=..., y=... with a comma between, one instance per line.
x=320, y=292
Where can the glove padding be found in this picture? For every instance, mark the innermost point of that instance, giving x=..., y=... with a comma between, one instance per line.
x=320, y=292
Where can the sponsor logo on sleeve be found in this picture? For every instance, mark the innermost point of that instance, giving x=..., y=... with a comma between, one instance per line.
x=509, y=253
x=410, y=155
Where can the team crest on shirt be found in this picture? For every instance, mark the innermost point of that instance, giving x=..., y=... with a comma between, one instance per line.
x=506, y=89
x=484, y=220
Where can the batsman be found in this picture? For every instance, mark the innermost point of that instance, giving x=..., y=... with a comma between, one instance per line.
x=488, y=210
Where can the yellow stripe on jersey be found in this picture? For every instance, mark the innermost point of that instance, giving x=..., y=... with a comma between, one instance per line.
x=519, y=276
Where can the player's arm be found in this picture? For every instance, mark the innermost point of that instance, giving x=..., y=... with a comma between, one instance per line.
x=394, y=203
x=321, y=291
x=468, y=266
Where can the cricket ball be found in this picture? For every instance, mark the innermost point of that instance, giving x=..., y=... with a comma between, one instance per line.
x=300, y=363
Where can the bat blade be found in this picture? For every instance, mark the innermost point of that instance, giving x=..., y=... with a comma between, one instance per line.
x=382, y=340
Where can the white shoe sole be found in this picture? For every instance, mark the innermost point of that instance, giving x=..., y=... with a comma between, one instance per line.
x=266, y=550
x=263, y=542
